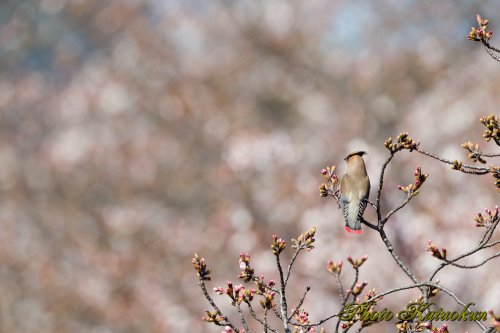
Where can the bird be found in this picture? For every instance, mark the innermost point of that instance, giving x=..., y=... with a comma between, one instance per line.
x=354, y=192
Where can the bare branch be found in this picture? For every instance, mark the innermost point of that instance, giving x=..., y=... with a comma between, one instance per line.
x=289, y=269
x=394, y=254
x=283, y=305
x=481, y=245
x=381, y=184
x=477, y=265
x=492, y=51
x=242, y=318
x=301, y=301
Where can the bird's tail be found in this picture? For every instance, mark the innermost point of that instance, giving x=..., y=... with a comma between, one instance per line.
x=353, y=227
x=353, y=219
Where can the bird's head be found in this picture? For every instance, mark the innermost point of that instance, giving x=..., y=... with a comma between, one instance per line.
x=358, y=153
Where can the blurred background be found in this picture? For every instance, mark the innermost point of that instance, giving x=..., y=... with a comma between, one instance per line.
x=137, y=132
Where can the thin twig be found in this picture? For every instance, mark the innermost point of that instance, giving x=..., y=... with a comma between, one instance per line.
x=341, y=288
x=324, y=320
x=381, y=184
x=345, y=296
x=394, y=254
x=473, y=167
x=477, y=265
x=392, y=212
x=356, y=277
x=242, y=318
x=263, y=322
x=481, y=245
x=283, y=306
x=201, y=283
x=480, y=153
x=300, y=302
x=289, y=269
x=368, y=224
x=490, y=50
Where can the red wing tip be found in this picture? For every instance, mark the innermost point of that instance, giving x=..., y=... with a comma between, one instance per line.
x=357, y=232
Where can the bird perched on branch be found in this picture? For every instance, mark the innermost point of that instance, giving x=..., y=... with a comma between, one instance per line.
x=354, y=192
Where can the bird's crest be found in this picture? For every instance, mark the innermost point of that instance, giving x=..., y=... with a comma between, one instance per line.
x=359, y=153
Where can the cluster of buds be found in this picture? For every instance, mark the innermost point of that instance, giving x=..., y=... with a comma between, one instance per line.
x=480, y=34
x=262, y=286
x=413, y=189
x=347, y=325
x=213, y=317
x=457, y=165
x=247, y=272
x=403, y=141
x=334, y=268
x=442, y=329
x=305, y=240
x=201, y=268
x=358, y=288
x=489, y=220
x=237, y=294
x=495, y=320
x=495, y=171
x=371, y=296
x=331, y=188
x=267, y=301
x=474, y=153
x=278, y=245
x=492, y=129
x=440, y=254
x=406, y=326
x=301, y=316
x=356, y=263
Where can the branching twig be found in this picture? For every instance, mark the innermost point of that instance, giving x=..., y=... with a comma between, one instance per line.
x=491, y=50
x=481, y=245
x=263, y=322
x=477, y=265
x=226, y=321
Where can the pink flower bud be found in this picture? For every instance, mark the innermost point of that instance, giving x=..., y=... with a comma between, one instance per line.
x=324, y=171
